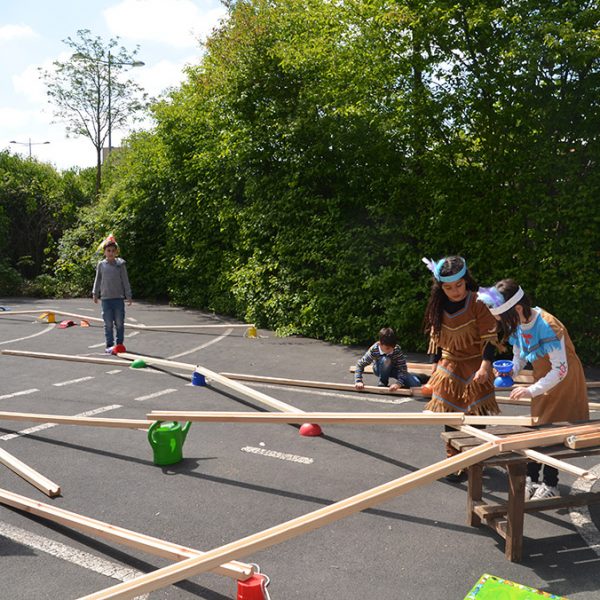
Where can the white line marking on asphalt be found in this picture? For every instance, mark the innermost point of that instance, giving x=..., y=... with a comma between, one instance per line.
x=50, y=327
x=113, y=372
x=156, y=394
x=213, y=341
x=312, y=391
x=580, y=515
x=87, y=413
x=60, y=384
x=69, y=554
x=127, y=336
x=22, y=393
x=280, y=455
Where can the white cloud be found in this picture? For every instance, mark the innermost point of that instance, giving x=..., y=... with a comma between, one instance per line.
x=179, y=23
x=8, y=33
x=160, y=76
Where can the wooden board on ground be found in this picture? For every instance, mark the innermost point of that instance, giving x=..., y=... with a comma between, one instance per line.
x=36, y=479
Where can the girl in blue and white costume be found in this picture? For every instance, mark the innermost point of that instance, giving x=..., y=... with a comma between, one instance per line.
x=559, y=391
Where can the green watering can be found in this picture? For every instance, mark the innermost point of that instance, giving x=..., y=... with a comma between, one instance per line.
x=166, y=439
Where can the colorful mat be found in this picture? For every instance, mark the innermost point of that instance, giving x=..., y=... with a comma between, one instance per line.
x=490, y=587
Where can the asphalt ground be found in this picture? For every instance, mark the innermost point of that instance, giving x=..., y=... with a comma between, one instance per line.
x=237, y=479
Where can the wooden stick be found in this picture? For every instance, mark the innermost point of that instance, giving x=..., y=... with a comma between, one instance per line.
x=533, y=454
x=36, y=479
x=336, y=417
x=131, y=325
x=316, y=384
x=583, y=441
x=73, y=420
x=224, y=381
x=208, y=326
x=527, y=401
x=545, y=437
x=132, y=539
x=290, y=529
x=71, y=357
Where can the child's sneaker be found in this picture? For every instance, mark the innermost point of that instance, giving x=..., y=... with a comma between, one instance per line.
x=108, y=350
x=545, y=491
x=531, y=488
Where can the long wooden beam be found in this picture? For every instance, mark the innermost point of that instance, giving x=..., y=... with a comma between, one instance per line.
x=336, y=417
x=545, y=437
x=583, y=441
x=130, y=325
x=73, y=420
x=132, y=539
x=70, y=357
x=36, y=479
x=318, y=384
x=215, y=377
x=561, y=465
x=290, y=529
x=527, y=401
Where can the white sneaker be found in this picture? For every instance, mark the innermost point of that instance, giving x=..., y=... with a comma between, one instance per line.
x=545, y=491
x=531, y=488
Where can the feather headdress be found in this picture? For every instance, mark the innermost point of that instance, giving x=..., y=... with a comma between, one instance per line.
x=109, y=239
x=430, y=264
x=490, y=296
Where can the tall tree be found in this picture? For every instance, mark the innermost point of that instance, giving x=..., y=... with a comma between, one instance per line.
x=88, y=94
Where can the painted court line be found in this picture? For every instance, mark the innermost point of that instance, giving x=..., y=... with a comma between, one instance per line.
x=280, y=455
x=73, y=381
x=49, y=328
x=69, y=554
x=156, y=394
x=206, y=345
x=36, y=428
x=22, y=393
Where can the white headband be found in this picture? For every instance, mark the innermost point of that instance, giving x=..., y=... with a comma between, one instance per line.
x=509, y=303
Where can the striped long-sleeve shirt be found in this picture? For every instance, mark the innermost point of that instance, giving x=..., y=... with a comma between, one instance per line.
x=374, y=353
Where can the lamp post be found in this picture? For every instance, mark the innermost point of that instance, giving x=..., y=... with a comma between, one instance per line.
x=109, y=63
x=29, y=143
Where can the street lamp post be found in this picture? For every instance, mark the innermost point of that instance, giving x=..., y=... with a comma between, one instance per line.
x=109, y=63
x=29, y=143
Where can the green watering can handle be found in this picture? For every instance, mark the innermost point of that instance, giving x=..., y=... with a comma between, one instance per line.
x=153, y=427
x=185, y=429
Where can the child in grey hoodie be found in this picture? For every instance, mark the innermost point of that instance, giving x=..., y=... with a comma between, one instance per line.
x=112, y=287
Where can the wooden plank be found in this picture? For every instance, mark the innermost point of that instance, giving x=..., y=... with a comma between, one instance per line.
x=290, y=529
x=71, y=357
x=132, y=539
x=524, y=376
x=514, y=516
x=74, y=420
x=544, y=437
x=334, y=417
x=583, y=441
x=532, y=454
x=527, y=401
x=349, y=387
x=130, y=325
x=36, y=479
x=491, y=511
x=215, y=377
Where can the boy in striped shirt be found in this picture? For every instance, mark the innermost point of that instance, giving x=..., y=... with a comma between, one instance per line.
x=389, y=361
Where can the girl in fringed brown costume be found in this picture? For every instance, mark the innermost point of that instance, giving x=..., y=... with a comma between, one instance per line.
x=462, y=338
x=559, y=391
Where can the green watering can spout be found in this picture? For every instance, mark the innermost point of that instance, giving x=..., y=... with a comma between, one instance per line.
x=166, y=439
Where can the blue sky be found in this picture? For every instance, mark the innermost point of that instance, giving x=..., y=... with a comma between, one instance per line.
x=31, y=34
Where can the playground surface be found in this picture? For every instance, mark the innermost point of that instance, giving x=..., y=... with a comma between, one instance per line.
x=237, y=479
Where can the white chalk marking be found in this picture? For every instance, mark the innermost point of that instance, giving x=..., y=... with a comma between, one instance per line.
x=50, y=327
x=60, y=384
x=36, y=428
x=580, y=515
x=69, y=554
x=22, y=393
x=206, y=345
x=280, y=455
x=155, y=395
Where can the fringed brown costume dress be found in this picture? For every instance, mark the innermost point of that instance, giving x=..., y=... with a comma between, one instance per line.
x=462, y=339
